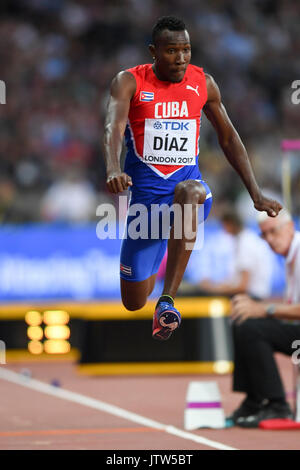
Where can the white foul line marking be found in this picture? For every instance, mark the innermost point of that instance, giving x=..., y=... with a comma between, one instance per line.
x=68, y=395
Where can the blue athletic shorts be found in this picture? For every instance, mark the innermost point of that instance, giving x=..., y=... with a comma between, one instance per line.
x=141, y=257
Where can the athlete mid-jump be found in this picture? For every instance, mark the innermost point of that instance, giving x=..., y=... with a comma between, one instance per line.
x=158, y=106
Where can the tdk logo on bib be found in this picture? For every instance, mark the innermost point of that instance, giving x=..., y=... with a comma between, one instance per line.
x=171, y=125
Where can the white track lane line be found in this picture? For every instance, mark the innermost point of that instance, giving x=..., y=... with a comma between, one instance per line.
x=42, y=387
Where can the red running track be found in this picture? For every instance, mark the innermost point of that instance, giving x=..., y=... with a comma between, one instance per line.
x=34, y=420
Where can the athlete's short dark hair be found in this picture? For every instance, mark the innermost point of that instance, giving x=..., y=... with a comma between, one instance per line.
x=166, y=22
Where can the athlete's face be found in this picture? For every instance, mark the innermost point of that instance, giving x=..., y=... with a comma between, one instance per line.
x=172, y=55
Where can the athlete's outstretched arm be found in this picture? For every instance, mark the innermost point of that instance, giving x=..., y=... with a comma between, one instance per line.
x=122, y=90
x=234, y=149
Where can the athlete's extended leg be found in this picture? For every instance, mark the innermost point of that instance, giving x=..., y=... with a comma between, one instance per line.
x=140, y=260
x=189, y=195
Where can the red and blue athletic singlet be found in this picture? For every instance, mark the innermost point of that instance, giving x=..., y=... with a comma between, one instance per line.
x=162, y=138
x=162, y=134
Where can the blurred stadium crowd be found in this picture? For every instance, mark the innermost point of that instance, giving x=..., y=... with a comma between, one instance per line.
x=59, y=56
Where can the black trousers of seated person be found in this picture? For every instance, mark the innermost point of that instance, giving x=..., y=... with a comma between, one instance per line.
x=255, y=369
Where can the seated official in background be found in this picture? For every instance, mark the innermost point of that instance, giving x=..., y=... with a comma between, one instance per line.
x=261, y=328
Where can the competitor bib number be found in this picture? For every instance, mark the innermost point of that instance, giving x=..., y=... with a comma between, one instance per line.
x=170, y=142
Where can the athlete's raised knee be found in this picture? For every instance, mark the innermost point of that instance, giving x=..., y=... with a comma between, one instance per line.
x=190, y=191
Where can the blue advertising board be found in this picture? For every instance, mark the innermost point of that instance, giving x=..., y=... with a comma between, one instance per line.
x=69, y=262
x=57, y=262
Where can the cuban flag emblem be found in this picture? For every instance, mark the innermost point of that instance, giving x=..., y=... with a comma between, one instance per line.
x=146, y=96
x=125, y=269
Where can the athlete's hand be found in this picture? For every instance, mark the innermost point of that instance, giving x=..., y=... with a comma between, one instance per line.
x=118, y=182
x=271, y=206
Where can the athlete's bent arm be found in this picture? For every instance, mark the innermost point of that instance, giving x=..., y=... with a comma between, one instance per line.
x=122, y=90
x=234, y=149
